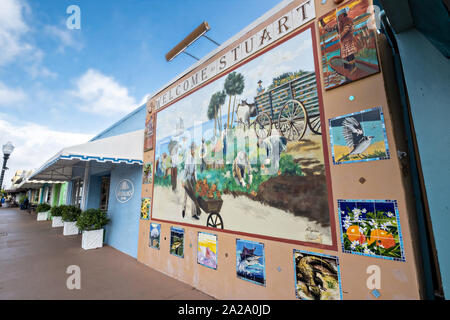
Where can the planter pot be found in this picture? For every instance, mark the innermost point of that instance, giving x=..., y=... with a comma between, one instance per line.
x=57, y=222
x=42, y=216
x=70, y=228
x=92, y=239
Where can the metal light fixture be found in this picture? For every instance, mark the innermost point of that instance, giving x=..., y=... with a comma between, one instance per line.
x=190, y=39
x=7, y=149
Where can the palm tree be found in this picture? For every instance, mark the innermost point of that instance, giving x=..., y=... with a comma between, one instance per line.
x=234, y=85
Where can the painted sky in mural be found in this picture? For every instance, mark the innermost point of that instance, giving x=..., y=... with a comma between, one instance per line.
x=201, y=178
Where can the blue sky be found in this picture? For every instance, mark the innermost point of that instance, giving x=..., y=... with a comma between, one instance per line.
x=60, y=87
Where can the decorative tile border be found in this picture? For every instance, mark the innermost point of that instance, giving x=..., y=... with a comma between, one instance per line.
x=316, y=256
x=253, y=256
x=383, y=127
x=375, y=233
x=205, y=261
x=154, y=236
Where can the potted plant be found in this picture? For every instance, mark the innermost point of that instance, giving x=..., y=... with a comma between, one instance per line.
x=91, y=222
x=43, y=210
x=69, y=216
x=56, y=213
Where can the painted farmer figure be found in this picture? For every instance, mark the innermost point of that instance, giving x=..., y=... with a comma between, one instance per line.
x=189, y=182
x=259, y=88
x=348, y=41
x=203, y=155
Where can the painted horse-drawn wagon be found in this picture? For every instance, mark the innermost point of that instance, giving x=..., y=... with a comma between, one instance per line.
x=291, y=107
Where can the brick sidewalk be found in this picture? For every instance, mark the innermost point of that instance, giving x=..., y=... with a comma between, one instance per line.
x=34, y=258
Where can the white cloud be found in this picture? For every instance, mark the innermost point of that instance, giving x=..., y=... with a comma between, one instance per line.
x=34, y=144
x=15, y=48
x=65, y=37
x=12, y=28
x=100, y=94
x=11, y=96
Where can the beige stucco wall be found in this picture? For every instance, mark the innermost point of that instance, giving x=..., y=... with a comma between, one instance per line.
x=385, y=179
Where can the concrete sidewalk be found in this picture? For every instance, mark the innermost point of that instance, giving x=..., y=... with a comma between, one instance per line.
x=34, y=258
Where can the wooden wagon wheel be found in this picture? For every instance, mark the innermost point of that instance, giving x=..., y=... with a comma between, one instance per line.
x=292, y=120
x=315, y=124
x=214, y=220
x=263, y=125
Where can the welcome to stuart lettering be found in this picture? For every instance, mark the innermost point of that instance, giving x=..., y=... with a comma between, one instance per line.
x=284, y=25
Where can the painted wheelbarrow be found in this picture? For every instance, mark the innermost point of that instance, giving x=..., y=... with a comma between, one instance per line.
x=210, y=206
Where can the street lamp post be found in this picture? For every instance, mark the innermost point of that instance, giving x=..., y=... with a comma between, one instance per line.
x=8, y=148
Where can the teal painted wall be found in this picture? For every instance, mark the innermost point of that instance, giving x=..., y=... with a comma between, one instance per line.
x=427, y=75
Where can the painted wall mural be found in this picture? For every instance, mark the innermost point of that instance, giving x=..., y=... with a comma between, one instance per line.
x=250, y=261
x=147, y=176
x=317, y=276
x=154, y=235
x=149, y=131
x=177, y=241
x=359, y=136
x=347, y=43
x=207, y=250
x=251, y=160
x=371, y=228
x=146, y=205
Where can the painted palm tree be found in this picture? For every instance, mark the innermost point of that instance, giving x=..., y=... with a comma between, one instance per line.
x=239, y=88
x=234, y=85
x=214, y=109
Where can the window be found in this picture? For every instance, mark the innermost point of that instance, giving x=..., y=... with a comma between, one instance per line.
x=104, y=193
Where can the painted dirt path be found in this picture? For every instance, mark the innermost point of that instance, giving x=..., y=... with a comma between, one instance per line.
x=258, y=218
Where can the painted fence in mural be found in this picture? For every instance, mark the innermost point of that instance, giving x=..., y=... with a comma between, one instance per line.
x=251, y=160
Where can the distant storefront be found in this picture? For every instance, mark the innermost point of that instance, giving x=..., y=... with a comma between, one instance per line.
x=104, y=173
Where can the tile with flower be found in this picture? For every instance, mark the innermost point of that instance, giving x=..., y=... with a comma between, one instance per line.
x=371, y=228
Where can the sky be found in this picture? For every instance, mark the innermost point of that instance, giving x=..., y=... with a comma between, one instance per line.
x=60, y=87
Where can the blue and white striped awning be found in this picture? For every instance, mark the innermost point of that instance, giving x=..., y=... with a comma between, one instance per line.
x=126, y=148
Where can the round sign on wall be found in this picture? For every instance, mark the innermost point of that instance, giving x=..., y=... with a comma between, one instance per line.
x=124, y=190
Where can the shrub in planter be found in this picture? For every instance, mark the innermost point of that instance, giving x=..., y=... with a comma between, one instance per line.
x=91, y=222
x=69, y=216
x=42, y=211
x=70, y=213
x=56, y=213
x=43, y=207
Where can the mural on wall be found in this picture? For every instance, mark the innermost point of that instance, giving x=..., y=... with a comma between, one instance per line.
x=347, y=43
x=146, y=205
x=154, y=235
x=149, y=130
x=252, y=158
x=371, y=228
x=207, y=250
x=317, y=276
x=250, y=261
x=359, y=136
x=147, y=176
x=177, y=241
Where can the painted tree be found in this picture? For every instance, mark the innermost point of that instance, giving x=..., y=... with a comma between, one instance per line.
x=234, y=85
x=215, y=103
x=239, y=88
